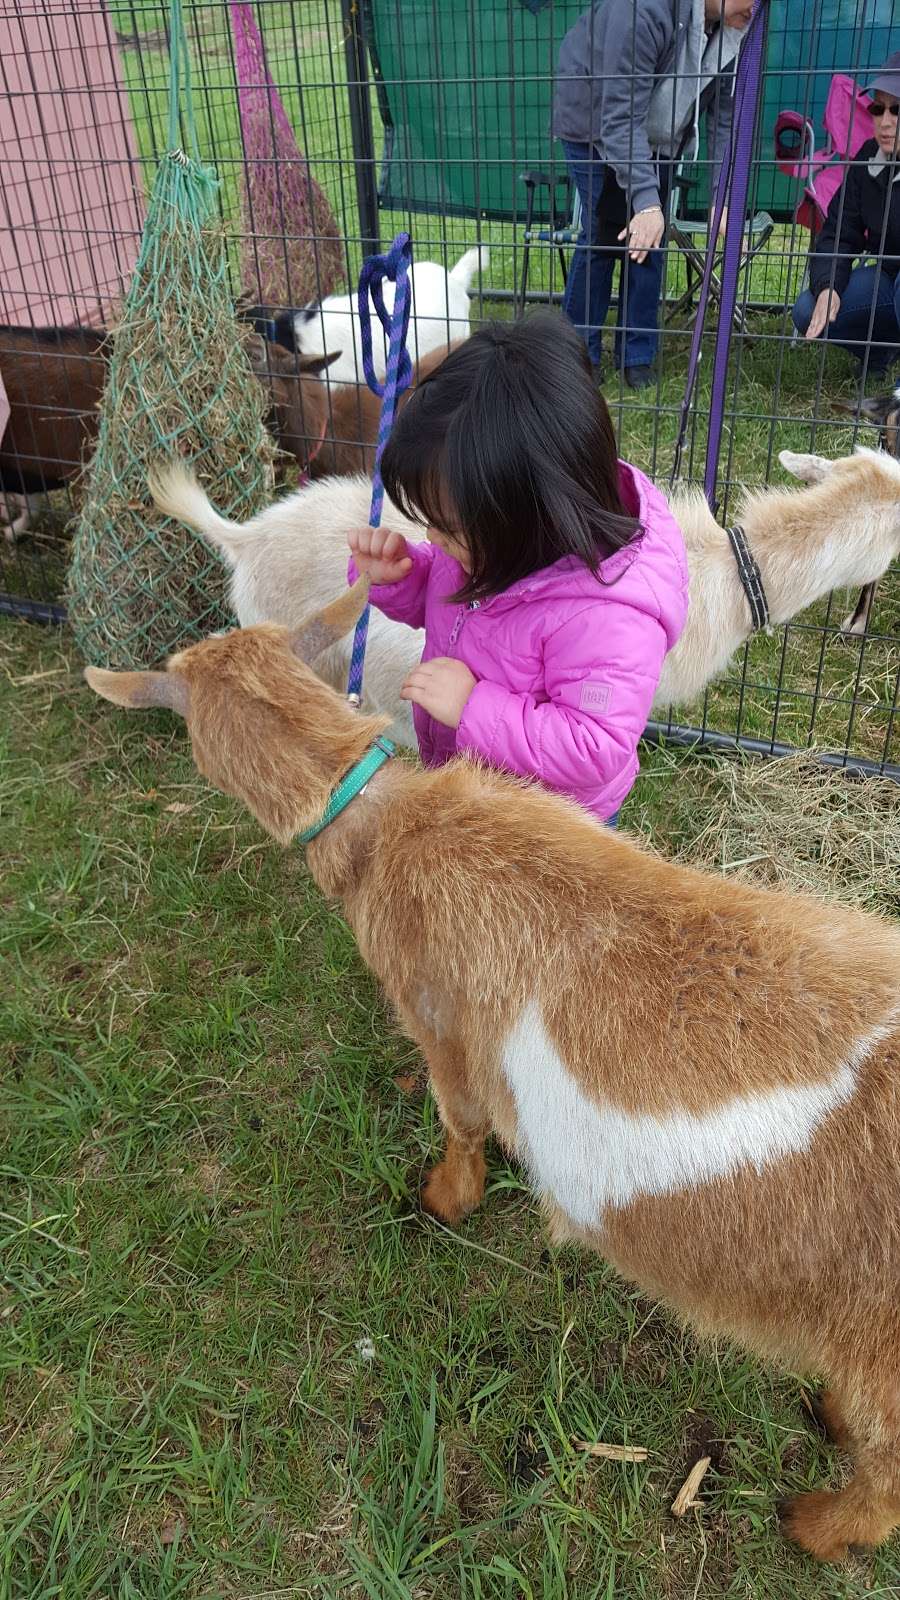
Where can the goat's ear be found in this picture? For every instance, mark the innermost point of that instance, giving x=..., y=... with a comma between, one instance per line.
x=875, y=409
x=809, y=469
x=315, y=365
x=283, y=330
x=139, y=690
x=328, y=626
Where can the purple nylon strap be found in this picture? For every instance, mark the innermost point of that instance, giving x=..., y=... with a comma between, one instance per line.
x=395, y=267
x=732, y=187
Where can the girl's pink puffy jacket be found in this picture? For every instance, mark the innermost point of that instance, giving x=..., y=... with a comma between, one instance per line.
x=567, y=666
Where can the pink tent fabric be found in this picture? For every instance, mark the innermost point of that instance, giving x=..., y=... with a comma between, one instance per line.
x=4, y=408
x=72, y=208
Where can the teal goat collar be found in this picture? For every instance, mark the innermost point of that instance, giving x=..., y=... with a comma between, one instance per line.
x=352, y=785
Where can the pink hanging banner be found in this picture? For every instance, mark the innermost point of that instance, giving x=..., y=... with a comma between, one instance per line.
x=72, y=208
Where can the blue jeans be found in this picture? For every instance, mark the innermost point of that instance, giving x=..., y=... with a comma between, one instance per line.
x=604, y=212
x=613, y=821
x=850, y=328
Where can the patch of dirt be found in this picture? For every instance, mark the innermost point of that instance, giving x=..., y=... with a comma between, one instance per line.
x=527, y=1459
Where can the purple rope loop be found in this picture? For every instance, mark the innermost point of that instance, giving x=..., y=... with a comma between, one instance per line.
x=732, y=187
x=395, y=267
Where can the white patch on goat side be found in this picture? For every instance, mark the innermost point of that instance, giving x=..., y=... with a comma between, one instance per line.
x=588, y=1155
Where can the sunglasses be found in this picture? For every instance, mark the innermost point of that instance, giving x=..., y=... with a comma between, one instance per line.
x=880, y=110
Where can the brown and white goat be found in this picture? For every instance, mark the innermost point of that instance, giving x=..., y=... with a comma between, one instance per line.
x=843, y=530
x=701, y=1078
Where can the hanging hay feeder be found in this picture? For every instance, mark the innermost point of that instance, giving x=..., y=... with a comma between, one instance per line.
x=292, y=252
x=180, y=385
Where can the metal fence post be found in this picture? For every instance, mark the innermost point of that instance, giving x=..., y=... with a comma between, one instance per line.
x=362, y=132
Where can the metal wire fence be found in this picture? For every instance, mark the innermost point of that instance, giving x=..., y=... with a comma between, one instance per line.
x=434, y=116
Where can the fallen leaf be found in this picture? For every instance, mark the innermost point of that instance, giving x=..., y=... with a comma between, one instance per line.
x=611, y=1452
x=170, y=1530
x=178, y=808
x=407, y=1082
x=686, y=1497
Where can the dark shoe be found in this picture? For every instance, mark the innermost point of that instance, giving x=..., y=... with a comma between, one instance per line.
x=598, y=373
x=638, y=377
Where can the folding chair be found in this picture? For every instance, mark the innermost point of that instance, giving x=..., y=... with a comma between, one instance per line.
x=556, y=232
x=690, y=235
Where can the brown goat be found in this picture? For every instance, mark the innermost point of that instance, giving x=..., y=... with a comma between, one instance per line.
x=349, y=443
x=702, y=1078
x=54, y=379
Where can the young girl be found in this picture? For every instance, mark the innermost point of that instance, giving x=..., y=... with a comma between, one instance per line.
x=553, y=579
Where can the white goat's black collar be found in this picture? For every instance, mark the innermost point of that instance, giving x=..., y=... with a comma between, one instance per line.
x=750, y=576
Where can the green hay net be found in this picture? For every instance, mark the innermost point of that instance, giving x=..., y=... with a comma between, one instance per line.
x=180, y=385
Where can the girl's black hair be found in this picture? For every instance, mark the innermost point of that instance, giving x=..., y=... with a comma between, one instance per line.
x=509, y=447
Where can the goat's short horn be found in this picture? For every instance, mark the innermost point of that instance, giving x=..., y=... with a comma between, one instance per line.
x=327, y=627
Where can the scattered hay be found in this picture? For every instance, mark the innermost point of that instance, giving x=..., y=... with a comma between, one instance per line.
x=787, y=823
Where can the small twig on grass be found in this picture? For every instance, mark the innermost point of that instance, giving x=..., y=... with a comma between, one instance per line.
x=611, y=1452
x=686, y=1497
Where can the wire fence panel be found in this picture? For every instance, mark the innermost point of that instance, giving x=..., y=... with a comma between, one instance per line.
x=434, y=116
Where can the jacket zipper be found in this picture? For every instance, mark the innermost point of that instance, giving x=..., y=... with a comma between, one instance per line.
x=455, y=631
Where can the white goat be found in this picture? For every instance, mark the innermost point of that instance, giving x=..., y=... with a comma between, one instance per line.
x=842, y=530
x=439, y=315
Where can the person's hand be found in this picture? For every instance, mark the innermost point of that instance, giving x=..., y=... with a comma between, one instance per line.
x=380, y=553
x=825, y=310
x=644, y=232
x=723, y=221
x=441, y=687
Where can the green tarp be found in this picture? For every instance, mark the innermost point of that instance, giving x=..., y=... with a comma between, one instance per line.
x=465, y=87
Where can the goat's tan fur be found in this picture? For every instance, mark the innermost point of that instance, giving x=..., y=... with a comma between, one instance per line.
x=843, y=530
x=665, y=996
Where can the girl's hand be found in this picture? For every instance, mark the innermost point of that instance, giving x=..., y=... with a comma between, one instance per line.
x=825, y=310
x=441, y=687
x=380, y=553
x=644, y=232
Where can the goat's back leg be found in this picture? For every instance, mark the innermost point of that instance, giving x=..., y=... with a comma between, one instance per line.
x=829, y=1414
x=827, y=1522
x=17, y=512
x=857, y=623
x=455, y=1186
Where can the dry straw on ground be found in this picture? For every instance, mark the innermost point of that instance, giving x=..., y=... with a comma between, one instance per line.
x=790, y=823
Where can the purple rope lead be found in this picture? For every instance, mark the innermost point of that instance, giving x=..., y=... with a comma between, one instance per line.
x=733, y=185
x=395, y=267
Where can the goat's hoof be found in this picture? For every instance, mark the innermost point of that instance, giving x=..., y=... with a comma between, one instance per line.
x=441, y=1198
x=829, y=1419
x=816, y=1523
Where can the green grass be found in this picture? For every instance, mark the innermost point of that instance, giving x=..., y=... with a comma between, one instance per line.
x=210, y=1147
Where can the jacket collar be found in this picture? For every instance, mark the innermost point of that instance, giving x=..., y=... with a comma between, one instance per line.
x=879, y=162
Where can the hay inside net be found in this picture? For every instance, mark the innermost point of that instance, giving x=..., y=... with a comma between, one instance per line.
x=180, y=385
x=291, y=250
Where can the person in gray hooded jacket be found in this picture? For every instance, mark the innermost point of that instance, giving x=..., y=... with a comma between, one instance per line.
x=634, y=77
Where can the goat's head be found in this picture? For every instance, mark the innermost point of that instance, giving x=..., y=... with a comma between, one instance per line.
x=883, y=411
x=881, y=467
x=263, y=726
x=298, y=396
